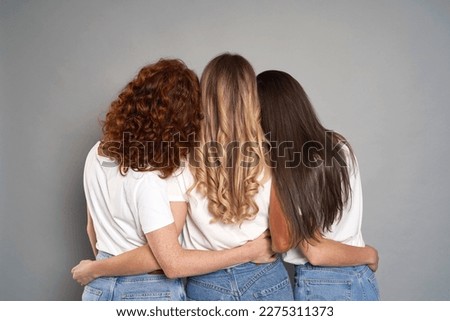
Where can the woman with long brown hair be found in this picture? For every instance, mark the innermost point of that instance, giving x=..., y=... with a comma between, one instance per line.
x=317, y=187
x=146, y=134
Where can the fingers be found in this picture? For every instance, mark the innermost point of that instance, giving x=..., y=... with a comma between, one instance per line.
x=79, y=273
x=75, y=267
x=83, y=282
x=77, y=278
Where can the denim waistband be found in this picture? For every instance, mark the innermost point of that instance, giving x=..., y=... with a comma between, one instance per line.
x=244, y=268
x=103, y=255
x=352, y=270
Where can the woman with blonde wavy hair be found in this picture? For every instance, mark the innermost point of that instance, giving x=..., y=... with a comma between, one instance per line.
x=227, y=185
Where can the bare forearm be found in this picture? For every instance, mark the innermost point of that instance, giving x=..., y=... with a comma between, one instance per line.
x=187, y=261
x=178, y=262
x=137, y=261
x=331, y=253
x=140, y=260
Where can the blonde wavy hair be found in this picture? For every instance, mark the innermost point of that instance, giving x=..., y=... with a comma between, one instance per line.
x=229, y=164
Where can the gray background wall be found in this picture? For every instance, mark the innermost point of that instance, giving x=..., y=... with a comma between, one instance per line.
x=377, y=71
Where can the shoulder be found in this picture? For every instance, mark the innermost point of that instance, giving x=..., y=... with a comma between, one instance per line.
x=91, y=158
x=147, y=178
x=351, y=161
x=94, y=150
x=183, y=174
x=179, y=182
x=94, y=157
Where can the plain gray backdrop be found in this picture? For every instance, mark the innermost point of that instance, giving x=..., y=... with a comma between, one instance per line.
x=376, y=71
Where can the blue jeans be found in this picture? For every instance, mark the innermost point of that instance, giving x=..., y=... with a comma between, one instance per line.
x=142, y=287
x=319, y=283
x=244, y=282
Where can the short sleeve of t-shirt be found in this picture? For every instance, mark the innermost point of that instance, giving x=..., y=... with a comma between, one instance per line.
x=176, y=190
x=153, y=204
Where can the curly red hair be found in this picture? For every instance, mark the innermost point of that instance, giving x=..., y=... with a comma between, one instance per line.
x=154, y=119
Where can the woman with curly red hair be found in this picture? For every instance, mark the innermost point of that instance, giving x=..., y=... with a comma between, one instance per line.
x=146, y=136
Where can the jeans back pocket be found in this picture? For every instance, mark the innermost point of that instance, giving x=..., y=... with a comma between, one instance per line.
x=91, y=294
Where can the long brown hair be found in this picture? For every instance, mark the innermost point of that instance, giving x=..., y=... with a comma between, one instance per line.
x=231, y=119
x=313, y=186
x=154, y=118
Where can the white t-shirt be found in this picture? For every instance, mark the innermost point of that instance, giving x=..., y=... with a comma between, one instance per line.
x=123, y=208
x=348, y=229
x=199, y=233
